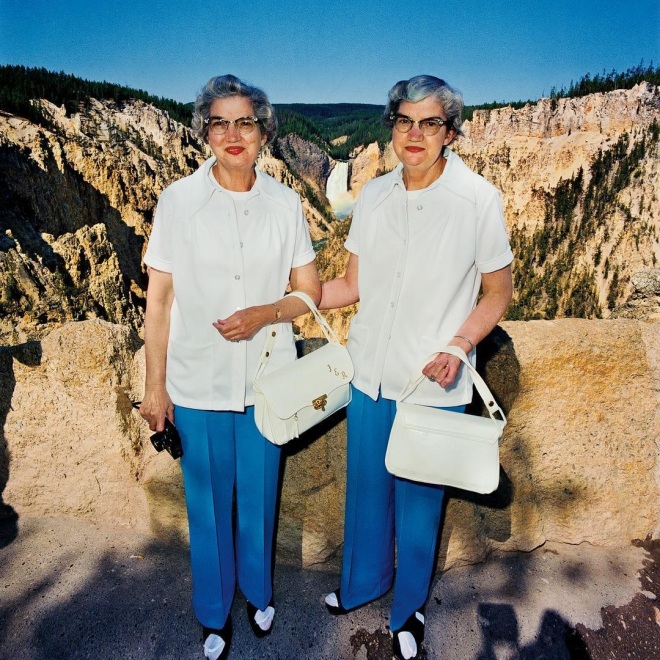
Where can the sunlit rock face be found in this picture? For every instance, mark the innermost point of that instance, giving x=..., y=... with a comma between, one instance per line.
x=78, y=195
x=580, y=456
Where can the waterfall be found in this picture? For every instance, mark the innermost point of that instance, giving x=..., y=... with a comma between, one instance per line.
x=337, y=193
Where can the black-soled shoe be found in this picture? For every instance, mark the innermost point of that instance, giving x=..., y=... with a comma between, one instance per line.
x=407, y=640
x=217, y=641
x=333, y=603
x=258, y=619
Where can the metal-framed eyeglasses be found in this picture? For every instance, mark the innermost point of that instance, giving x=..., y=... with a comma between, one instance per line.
x=428, y=126
x=220, y=125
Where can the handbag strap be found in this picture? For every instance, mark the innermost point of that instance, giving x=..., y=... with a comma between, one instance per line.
x=479, y=383
x=270, y=339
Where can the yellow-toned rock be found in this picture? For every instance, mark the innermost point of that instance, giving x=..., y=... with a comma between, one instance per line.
x=580, y=456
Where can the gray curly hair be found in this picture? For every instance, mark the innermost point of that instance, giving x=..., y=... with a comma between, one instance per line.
x=420, y=87
x=222, y=87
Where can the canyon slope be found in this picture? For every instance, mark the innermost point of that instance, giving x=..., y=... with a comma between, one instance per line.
x=580, y=180
x=580, y=183
x=77, y=196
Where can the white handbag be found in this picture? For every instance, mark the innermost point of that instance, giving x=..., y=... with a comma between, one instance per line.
x=447, y=448
x=297, y=396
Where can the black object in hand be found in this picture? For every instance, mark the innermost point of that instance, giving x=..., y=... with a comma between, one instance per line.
x=168, y=439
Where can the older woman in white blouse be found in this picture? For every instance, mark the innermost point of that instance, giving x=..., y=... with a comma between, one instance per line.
x=424, y=241
x=226, y=243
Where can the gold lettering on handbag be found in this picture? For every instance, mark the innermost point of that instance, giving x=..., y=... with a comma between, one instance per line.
x=320, y=402
x=336, y=372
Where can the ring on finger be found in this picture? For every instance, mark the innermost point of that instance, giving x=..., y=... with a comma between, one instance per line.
x=432, y=379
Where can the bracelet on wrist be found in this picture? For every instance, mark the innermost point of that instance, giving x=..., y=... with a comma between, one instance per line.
x=278, y=312
x=465, y=339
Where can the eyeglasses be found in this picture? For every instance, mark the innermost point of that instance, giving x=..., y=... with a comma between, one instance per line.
x=220, y=125
x=428, y=126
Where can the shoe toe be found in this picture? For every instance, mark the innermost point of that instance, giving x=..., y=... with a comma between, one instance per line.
x=261, y=621
x=333, y=604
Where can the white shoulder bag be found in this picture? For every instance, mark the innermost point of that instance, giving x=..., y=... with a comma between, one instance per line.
x=441, y=447
x=299, y=395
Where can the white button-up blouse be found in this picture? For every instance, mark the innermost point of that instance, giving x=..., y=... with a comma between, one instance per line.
x=222, y=260
x=421, y=258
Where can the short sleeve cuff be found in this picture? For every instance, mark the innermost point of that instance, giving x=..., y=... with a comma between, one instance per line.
x=304, y=258
x=497, y=263
x=158, y=264
x=351, y=246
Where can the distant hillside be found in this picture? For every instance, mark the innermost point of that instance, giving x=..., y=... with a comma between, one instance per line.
x=19, y=85
x=361, y=124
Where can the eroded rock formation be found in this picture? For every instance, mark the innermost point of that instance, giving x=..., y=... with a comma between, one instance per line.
x=77, y=196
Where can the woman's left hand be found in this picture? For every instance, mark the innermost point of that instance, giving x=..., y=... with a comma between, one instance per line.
x=245, y=323
x=443, y=369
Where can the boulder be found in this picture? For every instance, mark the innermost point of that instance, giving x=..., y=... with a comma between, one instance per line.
x=580, y=458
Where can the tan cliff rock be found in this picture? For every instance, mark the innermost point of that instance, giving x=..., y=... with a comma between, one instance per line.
x=580, y=456
x=368, y=163
x=523, y=150
x=77, y=200
x=529, y=154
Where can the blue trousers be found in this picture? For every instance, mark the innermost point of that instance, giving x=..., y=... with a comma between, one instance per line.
x=380, y=508
x=223, y=453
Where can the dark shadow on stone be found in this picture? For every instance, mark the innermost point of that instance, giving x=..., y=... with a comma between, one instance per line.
x=28, y=354
x=499, y=367
x=308, y=437
x=631, y=630
x=500, y=636
x=500, y=499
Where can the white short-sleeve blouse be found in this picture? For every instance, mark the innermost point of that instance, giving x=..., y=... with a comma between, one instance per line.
x=222, y=260
x=421, y=259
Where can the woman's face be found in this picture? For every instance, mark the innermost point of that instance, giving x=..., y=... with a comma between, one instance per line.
x=234, y=151
x=419, y=152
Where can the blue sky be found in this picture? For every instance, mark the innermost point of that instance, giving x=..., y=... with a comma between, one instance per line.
x=332, y=50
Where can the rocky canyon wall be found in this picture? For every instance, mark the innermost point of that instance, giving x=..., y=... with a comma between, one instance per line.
x=77, y=196
x=580, y=183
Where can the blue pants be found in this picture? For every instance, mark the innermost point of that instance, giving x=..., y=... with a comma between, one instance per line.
x=379, y=507
x=223, y=450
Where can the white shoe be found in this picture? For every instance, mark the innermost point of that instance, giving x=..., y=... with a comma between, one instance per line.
x=214, y=646
x=261, y=621
x=216, y=642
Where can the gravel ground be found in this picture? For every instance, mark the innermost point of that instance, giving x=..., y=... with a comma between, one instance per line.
x=70, y=589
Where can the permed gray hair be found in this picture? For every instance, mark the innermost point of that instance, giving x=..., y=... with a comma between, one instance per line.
x=222, y=87
x=420, y=87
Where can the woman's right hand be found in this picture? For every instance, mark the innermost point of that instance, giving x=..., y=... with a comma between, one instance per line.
x=155, y=406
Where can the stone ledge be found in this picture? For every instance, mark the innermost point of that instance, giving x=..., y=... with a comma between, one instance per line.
x=580, y=455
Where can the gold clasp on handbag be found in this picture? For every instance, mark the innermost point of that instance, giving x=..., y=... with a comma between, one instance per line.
x=320, y=402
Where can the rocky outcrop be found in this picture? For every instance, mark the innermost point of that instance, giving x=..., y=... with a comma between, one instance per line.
x=644, y=302
x=77, y=205
x=583, y=174
x=320, y=224
x=580, y=456
x=77, y=196
x=369, y=162
x=307, y=159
